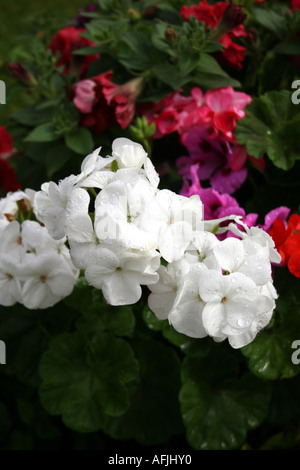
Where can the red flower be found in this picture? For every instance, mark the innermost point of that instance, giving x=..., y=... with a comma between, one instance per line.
x=296, y=4
x=6, y=143
x=123, y=98
x=88, y=97
x=99, y=95
x=226, y=21
x=287, y=241
x=8, y=178
x=66, y=41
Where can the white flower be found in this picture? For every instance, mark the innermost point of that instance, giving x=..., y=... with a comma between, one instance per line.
x=46, y=280
x=233, y=256
x=257, y=239
x=173, y=219
x=80, y=230
x=187, y=311
x=129, y=154
x=11, y=241
x=120, y=274
x=8, y=204
x=10, y=288
x=95, y=171
x=118, y=209
x=164, y=292
x=234, y=306
x=202, y=250
x=50, y=205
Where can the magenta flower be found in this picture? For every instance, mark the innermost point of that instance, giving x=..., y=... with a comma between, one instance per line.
x=216, y=205
x=218, y=161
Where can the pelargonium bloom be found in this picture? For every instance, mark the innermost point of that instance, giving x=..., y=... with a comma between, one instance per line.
x=217, y=110
x=35, y=269
x=225, y=107
x=286, y=237
x=67, y=40
x=140, y=235
x=216, y=205
x=218, y=161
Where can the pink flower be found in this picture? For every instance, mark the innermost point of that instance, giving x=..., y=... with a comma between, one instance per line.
x=174, y=112
x=226, y=107
x=219, y=109
x=85, y=95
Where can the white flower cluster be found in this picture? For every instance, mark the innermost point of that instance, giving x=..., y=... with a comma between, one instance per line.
x=35, y=269
x=125, y=233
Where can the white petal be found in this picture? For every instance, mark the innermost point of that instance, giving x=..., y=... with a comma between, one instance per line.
x=122, y=289
x=174, y=240
x=127, y=153
x=213, y=317
x=186, y=318
x=229, y=254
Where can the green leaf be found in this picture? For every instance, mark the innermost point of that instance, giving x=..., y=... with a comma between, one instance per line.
x=56, y=158
x=274, y=21
x=288, y=48
x=43, y=133
x=208, y=74
x=168, y=74
x=33, y=115
x=270, y=128
x=153, y=416
x=84, y=381
x=26, y=335
x=81, y=141
x=137, y=53
x=96, y=315
x=218, y=407
x=270, y=354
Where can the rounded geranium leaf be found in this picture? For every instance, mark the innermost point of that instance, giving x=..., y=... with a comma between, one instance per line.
x=84, y=381
x=218, y=408
x=153, y=416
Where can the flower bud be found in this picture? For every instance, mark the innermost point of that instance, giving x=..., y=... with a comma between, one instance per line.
x=133, y=14
x=23, y=74
x=233, y=17
x=170, y=35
